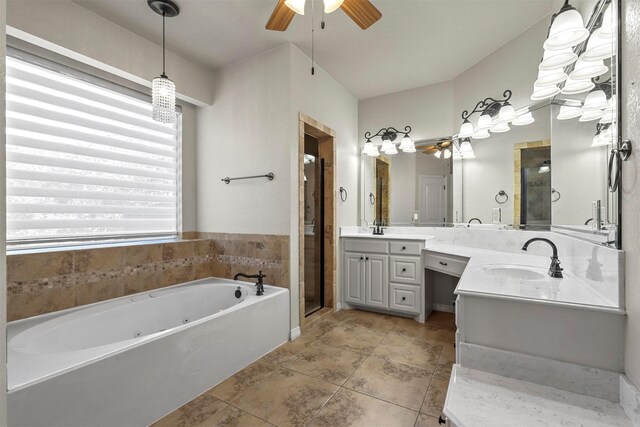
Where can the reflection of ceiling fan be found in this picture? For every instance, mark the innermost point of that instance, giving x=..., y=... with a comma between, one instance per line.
x=438, y=147
x=362, y=12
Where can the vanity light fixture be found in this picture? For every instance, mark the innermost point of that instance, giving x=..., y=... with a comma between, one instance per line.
x=465, y=146
x=544, y=92
x=389, y=136
x=163, y=90
x=568, y=112
x=554, y=59
x=550, y=77
x=495, y=116
x=591, y=115
x=585, y=70
x=574, y=87
x=567, y=29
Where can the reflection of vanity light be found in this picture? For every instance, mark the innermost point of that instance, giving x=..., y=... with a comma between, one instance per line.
x=545, y=167
x=544, y=92
x=466, y=130
x=609, y=27
x=573, y=87
x=585, y=70
x=407, y=144
x=554, y=59
x=447, y=153
x=568, y=112
x=393, y=150
x=481, y=134
x=465, y=147
x=550, y=77
x=484, y=122
x=507, y=113
x=500, y=128
x=523, y=119
x=438, y=153
x=596, y=100
x=567, y=29
x=590, y=115
x=373, y=152
x=368, y=147
x=598, y=47
x=387, y=146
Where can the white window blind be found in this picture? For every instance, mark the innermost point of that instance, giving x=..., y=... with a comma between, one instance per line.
x=84, y=161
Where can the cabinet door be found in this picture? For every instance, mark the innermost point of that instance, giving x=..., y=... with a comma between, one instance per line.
x=354, y=278
x=376, y=281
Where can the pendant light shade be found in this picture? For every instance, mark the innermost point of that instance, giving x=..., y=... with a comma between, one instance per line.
x=411, y=149
x=387, y=145
x=393, y=150
x=596, y=100
x=406, y=143
x=296, y=5
x=163, y=90
x=574, y=87
x=481, y=134
x=598, y=47
x=374, y=152
x=331, y=5
x=568, y=112
x=585, y=70
x=368, y=147
x=554, y=59
x=163, y=93
x=500, y=128
x=567, y=29
x=465, y=147
x=438, y=154
x=550, y=77
x=466, y=130
x=591, y=115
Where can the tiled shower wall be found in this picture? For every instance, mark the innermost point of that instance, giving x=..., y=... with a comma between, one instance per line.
x=39, y=283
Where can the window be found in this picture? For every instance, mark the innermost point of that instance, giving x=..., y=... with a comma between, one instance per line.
x=85, y=161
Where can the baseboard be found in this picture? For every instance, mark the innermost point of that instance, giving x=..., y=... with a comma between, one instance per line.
x=630, y=400
x=295, y=333
x=338, y=306
x=445, y=308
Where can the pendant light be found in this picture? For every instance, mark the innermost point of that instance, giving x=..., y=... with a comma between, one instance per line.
x=163, y=90
x=387, y=146
x=567, y=29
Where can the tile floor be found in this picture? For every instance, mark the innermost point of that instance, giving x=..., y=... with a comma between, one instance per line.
x=350, y=368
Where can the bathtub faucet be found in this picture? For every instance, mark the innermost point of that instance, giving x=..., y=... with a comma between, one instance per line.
x=259, y=276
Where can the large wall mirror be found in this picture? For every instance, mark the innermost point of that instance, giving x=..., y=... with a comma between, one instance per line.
x=547, y=169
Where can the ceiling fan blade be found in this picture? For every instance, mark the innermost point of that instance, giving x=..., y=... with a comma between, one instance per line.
x=430, y=150
x=280, y=18
x=445, y=144
x=362, y=12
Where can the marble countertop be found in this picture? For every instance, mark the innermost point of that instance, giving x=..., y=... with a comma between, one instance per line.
x=477, y=398
x=477, y=280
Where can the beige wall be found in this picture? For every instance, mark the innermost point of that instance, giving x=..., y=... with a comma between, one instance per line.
x=3, y=275
x=631, y=184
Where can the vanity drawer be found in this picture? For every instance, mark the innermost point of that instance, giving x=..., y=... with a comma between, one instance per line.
x=405, y=270
x=366, y=246
x=405, y=247
x=405, y=298
x=445, y=263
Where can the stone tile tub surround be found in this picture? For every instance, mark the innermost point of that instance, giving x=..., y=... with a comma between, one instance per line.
x=584, y=259
x=44, y=282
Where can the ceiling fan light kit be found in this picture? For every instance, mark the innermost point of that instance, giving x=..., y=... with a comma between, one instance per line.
x=362, y=12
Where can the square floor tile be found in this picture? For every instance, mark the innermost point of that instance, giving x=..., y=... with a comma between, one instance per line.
x=373, y=321
x=286, y=398
x=425, y=420
x=233, y=417
x=394, y=382
x=348, y=408
x=354, y=338
x=234, y=386
x=327, y=363
x=434, y=399
x=411, y=351
x=442, y=318
x=424, y=331
x=193, y=413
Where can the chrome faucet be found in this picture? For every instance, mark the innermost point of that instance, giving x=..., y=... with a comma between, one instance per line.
x=259, y=276
x=474, y=219
x=554, y=269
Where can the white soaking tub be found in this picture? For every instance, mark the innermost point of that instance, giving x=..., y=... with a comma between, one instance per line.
x=132, y=360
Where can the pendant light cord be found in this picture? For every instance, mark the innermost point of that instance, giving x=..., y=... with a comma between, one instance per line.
x=163, y=48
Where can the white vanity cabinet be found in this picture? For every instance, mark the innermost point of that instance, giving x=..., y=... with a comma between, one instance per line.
x=383, y=274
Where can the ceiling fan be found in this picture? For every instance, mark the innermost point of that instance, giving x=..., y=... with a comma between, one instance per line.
x=438, y=147
x=362, y=12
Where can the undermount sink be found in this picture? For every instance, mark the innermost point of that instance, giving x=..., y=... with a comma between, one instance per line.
x=517, y=272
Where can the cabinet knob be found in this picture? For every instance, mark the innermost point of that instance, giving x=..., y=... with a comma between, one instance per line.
x=404, y=248
x=404, y=270
x=443, y=263
x=366, y=258
x=361, y=258
x=404, y=298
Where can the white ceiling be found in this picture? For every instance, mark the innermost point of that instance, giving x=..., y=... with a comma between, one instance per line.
x=416, y=43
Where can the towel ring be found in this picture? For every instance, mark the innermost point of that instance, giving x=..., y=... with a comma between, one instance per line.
x=372, y=199
x=502, y=193
x=554, y=191
x=343, y=194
